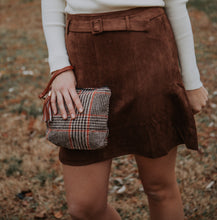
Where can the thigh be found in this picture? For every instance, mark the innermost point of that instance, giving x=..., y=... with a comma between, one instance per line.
x=157, y=173
x=87, y=185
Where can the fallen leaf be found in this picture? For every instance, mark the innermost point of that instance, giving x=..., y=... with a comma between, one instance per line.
x=121, y=190
x=58, y=214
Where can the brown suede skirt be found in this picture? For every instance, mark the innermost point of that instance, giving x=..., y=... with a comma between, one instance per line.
x=149, y=110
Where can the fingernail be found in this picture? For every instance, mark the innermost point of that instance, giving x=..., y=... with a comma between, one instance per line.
x=65, y=116
x=73, y=116
x=81, y=109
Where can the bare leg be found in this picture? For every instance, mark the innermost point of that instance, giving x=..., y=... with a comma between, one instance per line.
x=159, y=183
x=86, y=191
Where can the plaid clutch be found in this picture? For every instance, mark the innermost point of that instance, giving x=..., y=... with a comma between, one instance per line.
x=89, y=130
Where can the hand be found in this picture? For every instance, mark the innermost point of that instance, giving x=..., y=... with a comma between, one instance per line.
x=198, y=98
x=64, y=87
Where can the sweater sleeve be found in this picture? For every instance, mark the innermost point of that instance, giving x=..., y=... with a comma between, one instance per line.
x=178, y=16
x=53, y=23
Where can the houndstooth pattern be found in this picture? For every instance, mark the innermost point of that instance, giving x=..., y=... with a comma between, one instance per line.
x=89, y=130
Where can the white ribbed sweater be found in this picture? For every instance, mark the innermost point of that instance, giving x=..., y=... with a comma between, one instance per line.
x=53, y=22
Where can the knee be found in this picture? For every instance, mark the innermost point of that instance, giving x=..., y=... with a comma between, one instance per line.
x=85, y=209
x=160, y=191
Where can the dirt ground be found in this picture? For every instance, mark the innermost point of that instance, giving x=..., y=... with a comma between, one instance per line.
x=31, y=181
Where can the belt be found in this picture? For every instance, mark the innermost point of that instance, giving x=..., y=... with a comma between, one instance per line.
x=100, y=24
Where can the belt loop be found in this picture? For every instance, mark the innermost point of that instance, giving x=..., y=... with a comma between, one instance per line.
x=67, y=26
x=127, y=22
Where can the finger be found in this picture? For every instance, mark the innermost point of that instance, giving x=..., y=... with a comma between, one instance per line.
x=53, y=102
x=69, y=103
x=61, y=104
x=206, y=91
x=76, y=100
x=196, y=109
x=205, y=95
x=204, y=103
x=195, y=112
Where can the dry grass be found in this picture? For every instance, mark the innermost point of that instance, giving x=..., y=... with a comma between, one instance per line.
x=31, y=182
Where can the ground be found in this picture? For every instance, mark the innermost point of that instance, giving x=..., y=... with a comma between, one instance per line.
x=31, y=181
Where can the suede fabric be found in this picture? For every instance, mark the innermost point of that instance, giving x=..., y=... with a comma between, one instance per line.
x=149, y=109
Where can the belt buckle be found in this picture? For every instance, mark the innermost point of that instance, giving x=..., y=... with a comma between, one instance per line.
x=96, y=26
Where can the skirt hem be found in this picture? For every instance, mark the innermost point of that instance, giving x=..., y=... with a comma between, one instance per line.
x=123, y=153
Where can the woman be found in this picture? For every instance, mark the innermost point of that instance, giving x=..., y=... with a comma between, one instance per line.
x=134, y=47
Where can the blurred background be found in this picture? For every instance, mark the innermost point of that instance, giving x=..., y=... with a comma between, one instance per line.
x=31, y=181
